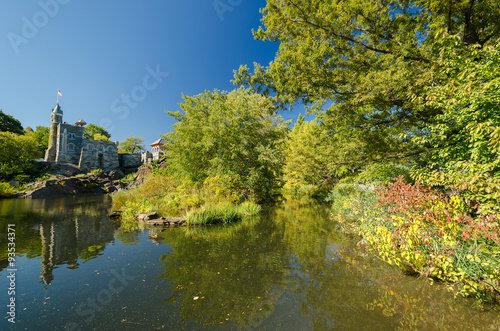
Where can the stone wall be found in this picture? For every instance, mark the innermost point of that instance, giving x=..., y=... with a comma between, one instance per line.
x=129, y=160
x=97, y=154
x=69, y=143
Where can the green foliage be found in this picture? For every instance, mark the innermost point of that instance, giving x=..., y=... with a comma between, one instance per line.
x=465, y=137
x=41, y=136
x=128, y=178
x=9, y=124
x=17, y=153
x=365, y=60
x=131, y=145
x=379, y=174
x=221, y=213
x=98, y=136
x=306, y=160
x=94, y=172
x=6, y=191
x=91, y=129
x=232, y=136
x=209, y=202
x=424, y=231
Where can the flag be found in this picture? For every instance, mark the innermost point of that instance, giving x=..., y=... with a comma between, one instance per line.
x=59, y=93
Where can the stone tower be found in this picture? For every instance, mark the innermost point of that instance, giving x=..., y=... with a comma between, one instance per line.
x=55, y=120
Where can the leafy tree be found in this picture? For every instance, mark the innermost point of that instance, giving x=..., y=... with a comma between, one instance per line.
x=41, y=136
x=231, y=135
x=9, y=124
x=17, y=153
x=366, y=60
x=91, y=129
x=306, y=154
x=131, y=145
x=465, y=137
x=98, y=136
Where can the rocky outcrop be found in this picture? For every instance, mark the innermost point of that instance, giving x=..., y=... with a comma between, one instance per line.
x=59, y=185
x=142, y=174
x=152, y=219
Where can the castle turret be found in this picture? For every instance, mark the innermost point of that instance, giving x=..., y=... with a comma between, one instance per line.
x=55, y=120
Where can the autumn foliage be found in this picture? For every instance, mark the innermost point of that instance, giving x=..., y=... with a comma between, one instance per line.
x=429, y=233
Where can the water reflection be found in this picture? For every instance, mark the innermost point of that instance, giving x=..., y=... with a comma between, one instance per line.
x=232, y=274
x=288, y=269
x=63, y=231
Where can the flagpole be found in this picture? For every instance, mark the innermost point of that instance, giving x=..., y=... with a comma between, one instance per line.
x=57, y=95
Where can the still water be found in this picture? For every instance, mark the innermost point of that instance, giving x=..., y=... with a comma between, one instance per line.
x=288, y=269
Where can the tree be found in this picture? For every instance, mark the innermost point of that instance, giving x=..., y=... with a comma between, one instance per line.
x=231, y=135
x=17, y=153
x=366, y=60
x=465, y=137
x=131, y=145
x=98, y=136
x=10, y=124
x=41, y=136
x=91, y=129
x=306, y=156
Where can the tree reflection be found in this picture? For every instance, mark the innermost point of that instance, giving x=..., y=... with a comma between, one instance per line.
x=63, y=231
x=226, y=274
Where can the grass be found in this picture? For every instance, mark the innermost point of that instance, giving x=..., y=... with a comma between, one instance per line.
x=206, y=203
x=221, y=213
x=128, y=178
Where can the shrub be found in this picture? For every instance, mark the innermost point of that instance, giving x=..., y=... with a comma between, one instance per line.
x=128, y=178
x=6, y=191
x=427, y=232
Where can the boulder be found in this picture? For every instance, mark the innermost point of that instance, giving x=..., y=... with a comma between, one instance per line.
x=167, y=221
x=146, y=216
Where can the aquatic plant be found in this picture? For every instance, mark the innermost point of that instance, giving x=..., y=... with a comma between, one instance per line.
x=221, y=213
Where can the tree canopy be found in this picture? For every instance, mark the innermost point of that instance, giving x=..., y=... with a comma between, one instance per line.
x=91, y=129
x=17, y=153
x=465, y=136
x=131, y=145
x=229, y=135
x=366, y=60
x=9, y=124
x=98, y=136
x=41, y=136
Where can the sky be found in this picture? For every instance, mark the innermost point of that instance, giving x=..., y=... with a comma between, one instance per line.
x=121, y=63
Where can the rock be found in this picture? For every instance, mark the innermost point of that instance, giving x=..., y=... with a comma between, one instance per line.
x=141, y=175
x=167, y=221
x=103, y=182
x=146, y=216
x=116, y=214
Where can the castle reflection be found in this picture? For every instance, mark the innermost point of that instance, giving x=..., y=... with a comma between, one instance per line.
x=62, y=231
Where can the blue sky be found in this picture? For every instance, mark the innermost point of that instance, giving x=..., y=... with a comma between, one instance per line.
x=121, y=64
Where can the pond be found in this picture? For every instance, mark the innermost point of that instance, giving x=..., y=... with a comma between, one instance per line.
x=288, y=269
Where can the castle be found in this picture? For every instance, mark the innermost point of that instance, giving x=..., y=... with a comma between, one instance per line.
x=67, y=145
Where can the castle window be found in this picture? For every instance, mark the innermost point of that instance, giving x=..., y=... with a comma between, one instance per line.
x=71, y=136
x=101, y=148
x=71, y=147
x=90, y=147
x=110, y=149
